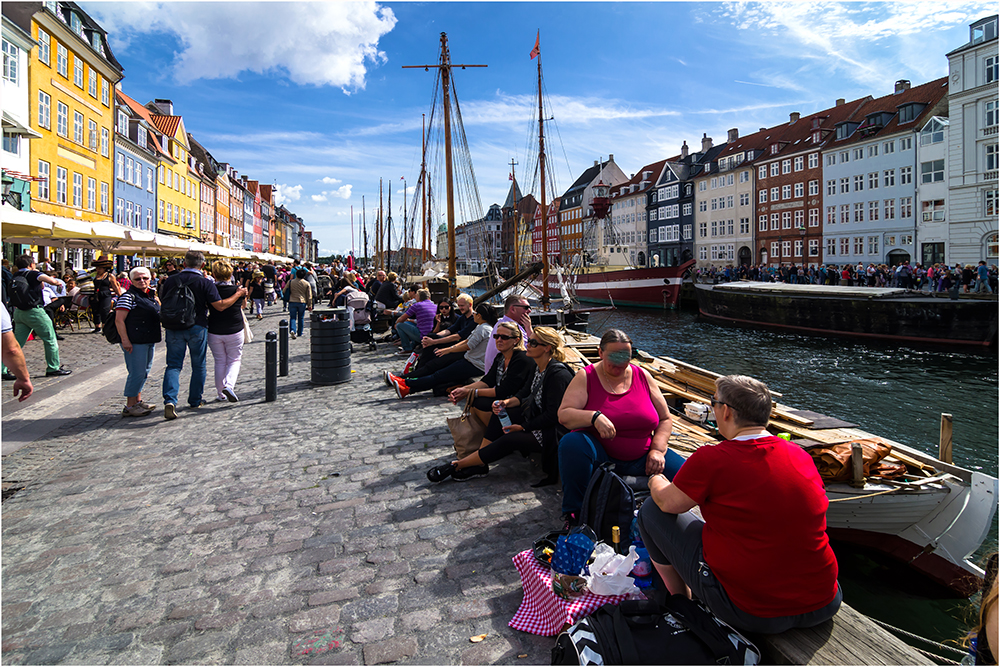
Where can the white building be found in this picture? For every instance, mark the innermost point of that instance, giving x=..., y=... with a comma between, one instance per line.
x=931, y=200
x=16, y=155
x=627, y=235
x=972, y=146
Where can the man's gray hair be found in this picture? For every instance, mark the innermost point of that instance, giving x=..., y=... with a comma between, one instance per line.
x=750, y=398
x=193, y=259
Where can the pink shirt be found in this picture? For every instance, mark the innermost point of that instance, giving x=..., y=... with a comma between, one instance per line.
x=633, y=414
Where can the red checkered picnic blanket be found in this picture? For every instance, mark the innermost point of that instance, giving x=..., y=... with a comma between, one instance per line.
x=542, y=612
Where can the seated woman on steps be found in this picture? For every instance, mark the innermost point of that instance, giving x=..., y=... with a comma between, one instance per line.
x=533, y=412
x=504, y=379
x=470, y=364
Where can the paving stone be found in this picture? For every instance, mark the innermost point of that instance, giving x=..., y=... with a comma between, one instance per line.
x=187, y=650
x=391, y=650
x=367, y=608
x=314, y=618
x=365, y=632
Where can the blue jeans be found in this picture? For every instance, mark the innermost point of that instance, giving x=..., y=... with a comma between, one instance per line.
x=138, y=362
x=296, y=313
x=194, y=339
x=409, y=334
x=579, y=454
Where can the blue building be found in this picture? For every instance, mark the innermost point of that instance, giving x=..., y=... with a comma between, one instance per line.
x=136, y=151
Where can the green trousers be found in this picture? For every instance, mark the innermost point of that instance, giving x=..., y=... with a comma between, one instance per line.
x=38, y=321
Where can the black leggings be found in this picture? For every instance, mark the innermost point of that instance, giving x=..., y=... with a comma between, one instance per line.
x=508, y=443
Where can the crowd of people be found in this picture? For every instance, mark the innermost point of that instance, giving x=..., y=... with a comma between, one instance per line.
x=938, y=277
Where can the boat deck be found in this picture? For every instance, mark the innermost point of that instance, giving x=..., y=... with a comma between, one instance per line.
x=840, y=291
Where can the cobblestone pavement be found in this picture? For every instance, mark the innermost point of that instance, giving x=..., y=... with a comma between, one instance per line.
x=302, y=531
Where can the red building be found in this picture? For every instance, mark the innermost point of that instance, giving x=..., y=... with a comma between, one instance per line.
x=552, y=233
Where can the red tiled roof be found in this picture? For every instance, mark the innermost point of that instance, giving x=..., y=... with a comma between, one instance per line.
x=656, y=168
x=166, y=124
x=931, y=93
x=143, y=113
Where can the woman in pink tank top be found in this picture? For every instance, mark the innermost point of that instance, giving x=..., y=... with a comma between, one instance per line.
x=616, y=414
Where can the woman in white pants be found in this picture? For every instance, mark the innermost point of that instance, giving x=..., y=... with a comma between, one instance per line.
x=225, y=334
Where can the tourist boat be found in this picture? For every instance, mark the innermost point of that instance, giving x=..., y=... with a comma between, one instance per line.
x=931, y=520
x=889, y=314
x=657, y=287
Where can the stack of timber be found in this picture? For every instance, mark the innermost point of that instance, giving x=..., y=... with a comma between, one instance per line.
x=931, y=519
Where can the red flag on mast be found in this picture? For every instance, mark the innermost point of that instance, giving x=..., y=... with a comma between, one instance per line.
x=536, y=51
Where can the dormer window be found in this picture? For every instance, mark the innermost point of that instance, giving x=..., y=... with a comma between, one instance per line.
x=775, y=148
x=909, y=112
x=981, y=32
x=75, y=23
x=141, y=138
x=122, y=123
x=933, y=132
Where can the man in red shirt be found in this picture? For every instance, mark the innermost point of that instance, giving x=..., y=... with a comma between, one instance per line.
x=760, y=560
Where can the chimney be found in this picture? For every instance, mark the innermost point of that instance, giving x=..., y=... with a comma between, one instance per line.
x=792, y=117
x=684, y=150
x=166, y=107
x=901, y=85
x=706, y=142
x=762, y=129
x=596, y=163
x=611, y=157
x=733, y=134
x=840, y=101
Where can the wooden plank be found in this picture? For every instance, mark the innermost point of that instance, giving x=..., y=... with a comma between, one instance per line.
x=849, y=638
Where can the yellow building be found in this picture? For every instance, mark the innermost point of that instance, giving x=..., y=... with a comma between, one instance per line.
x=177, y=190
x=72, y=75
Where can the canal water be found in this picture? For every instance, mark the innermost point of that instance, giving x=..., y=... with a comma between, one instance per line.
x=890, y=390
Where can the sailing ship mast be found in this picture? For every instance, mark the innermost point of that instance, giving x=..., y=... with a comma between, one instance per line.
x=424, y=222
x=388, y=236
x=537, y=53
x=444, y=67
x=379, y=230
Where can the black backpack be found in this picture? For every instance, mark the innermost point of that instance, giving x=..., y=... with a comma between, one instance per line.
x=178, y=308
x=608, y=502
x=646, y=632
x=21, y=294
x=109, y=327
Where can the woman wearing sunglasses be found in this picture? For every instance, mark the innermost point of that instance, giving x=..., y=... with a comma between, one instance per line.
x=533, y=412
x=137, y=317
x=444, y=317
x=463, y=367
x=617, y=414
x=507, y=375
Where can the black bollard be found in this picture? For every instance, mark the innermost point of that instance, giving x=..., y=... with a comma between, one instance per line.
x=283, y=348
x=270, y=367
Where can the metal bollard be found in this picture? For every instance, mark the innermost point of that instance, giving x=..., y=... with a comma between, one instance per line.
x=271, y=367
x=283, y=348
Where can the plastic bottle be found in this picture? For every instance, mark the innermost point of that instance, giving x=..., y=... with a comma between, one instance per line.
x=502, y=415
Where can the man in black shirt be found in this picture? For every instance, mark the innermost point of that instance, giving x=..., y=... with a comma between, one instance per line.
x=193, y=338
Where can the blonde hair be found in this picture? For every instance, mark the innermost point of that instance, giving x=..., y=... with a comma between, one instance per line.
x=464, y=297
x=222, y=270
x=516, y=330
x=549, y=336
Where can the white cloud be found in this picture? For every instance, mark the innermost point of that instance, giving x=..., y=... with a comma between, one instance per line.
x=343, y=192
x=410, y=189
x=286, y=193
x=330, y=181
x=312, y=43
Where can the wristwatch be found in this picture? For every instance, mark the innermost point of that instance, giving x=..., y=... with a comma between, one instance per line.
x=593, y=420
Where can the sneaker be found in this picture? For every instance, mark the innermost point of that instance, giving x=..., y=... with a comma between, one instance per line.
x=169, y=411
x=56, y=373
x=221, y=399
x=135, y=411
x=292, y=334
x=570, y=519
x=230, y=395
x=402, y=391
x=11, y=376
x=441, y=472
x=472, y=472
x=148, y=406
x=385, y=377
x=200, y=404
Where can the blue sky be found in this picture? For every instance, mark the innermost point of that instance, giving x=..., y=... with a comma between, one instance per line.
x=312, y=96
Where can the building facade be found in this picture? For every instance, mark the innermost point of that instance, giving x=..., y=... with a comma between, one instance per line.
x=177, y=194
x=551, y=232
x=15, y=157
x=136, y=161
x=71, y=76
x=628, y=236
x=974, y=72
x=870, y=177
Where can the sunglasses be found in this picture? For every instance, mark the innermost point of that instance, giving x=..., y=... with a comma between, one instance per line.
x=503, y=337
x=715, y=402
x=534, y=343
x=141, y=278
x=522, y=305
